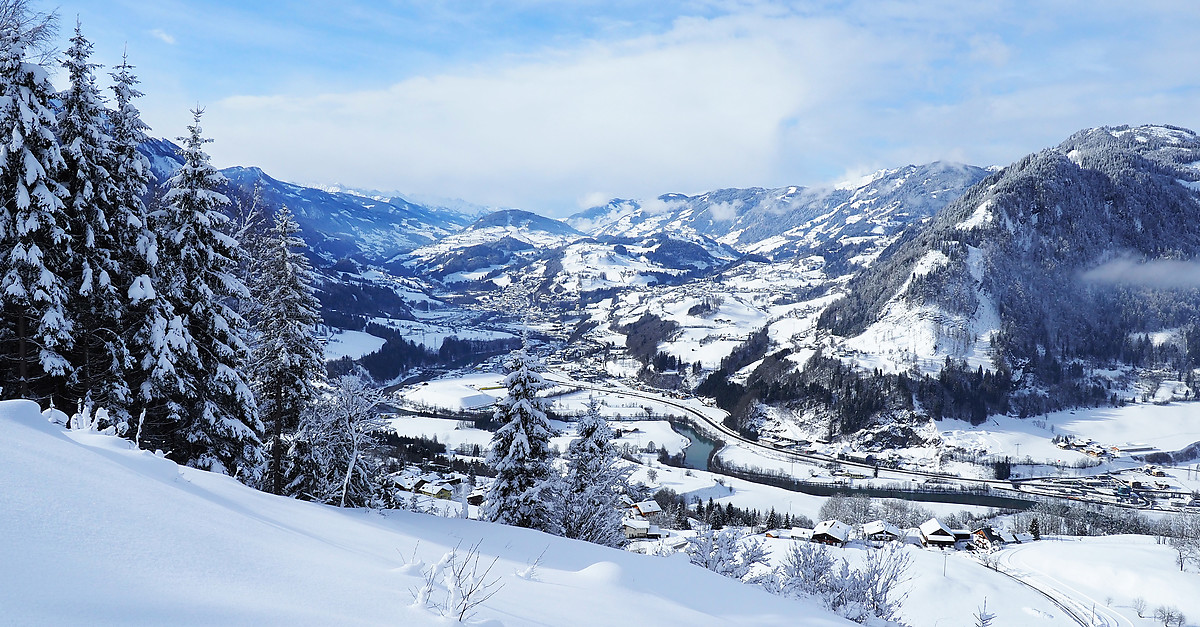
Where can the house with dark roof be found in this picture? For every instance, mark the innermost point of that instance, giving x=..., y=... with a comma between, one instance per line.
x=831, y=532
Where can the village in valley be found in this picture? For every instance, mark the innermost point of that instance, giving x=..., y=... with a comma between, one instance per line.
x=689, y=477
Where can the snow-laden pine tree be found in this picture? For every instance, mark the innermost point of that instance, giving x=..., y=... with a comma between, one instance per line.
x=216, y=420
x=287, y=360
x=35, y=332
x=96, y=301
x=522, y=494
x=594, y=477
x=154, y=335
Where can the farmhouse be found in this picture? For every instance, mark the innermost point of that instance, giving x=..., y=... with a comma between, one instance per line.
x=832, y=532
x=986, y=539
x=881, y=531
x=436, y=490
x=934, y=533
x=645, y=508
x=635, y=528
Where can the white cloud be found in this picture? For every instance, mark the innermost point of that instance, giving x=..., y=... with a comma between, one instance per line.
x=763, y=96
x=163, y=36
x=699, y=107
x=1156, y=273
x=724, y=211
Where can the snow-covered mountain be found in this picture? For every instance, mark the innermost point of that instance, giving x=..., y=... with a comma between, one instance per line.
x=1066, y=250
x=492, y=242
x=788, y=221
x=335, y=225
x=1072, y=274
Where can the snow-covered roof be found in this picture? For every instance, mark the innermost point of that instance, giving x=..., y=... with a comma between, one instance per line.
x=1008, y=537
x=801, y=533
x=636, y=523
x=934, y=527
x=881, y=526
x=648, y=507
x=433, y=488
x=834, y=529
x=1024, y=537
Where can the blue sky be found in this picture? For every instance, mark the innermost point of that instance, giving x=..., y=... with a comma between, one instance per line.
x=556, y=105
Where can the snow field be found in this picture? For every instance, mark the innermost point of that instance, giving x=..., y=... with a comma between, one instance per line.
x=147, y=542
x=352, y=344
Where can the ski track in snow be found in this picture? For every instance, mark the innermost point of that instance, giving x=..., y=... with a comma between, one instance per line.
x=1084, y=609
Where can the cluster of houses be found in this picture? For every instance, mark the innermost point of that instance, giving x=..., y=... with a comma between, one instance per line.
x=931, y=533
x=1087, y=446
x=436, y=485
x=636, y=523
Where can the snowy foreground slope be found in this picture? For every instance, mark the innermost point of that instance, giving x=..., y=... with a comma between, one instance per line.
x=95, y=533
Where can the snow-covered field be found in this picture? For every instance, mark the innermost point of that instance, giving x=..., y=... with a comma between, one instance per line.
x=431, y=335
x=456, y=394
x=1164, y=427
x=352, y=344
x=96, y=533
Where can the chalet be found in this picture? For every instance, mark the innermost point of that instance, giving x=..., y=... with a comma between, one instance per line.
x=801, y=533
x=832, y=532
x=1024, y=538
x=476, y=497
x=407, y=483
x=785, y=534
x=436, y=490
x=986, y=539
x=645, y=508
x=881, y=531
x=635, y=528
x=961, y=535
x=1009, y=537
x=934, y=533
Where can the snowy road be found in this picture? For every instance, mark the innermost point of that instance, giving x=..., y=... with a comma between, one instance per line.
x=1084, y=609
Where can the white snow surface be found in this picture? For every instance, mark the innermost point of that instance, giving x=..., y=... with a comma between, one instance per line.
x=352, y=344
x=97, y=533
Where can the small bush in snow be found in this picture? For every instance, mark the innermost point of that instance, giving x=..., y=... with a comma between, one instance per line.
x=454, y=586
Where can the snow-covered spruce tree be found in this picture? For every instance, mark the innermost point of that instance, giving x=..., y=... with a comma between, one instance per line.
x=154, y=334
x=590, y=488
x=522, y=492
x=326, y=461
x=35, y=332
x=216, y=424
x=96, y=302
x=287, y=358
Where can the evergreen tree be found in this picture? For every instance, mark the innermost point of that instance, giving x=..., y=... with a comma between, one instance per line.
x=35, y=332
x=1035, y=528
x=96, y=304
x=287, y=358
x=591, y=485
x=154, y=334
x=521, y=494
x=217, y=422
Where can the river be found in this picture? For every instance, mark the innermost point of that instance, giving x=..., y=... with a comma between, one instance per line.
x=696, y=454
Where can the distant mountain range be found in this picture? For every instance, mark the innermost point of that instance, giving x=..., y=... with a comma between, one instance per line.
x=336, y=225
x=1071, y=274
